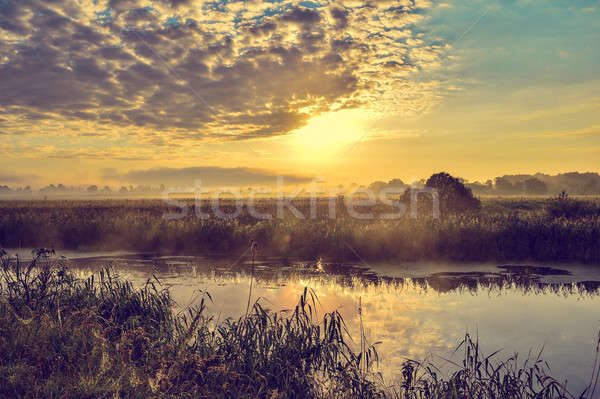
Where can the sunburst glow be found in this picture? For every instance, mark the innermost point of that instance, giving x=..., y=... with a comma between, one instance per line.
x=331, y=134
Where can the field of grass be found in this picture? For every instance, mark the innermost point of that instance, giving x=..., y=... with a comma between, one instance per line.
x=514, y=229
x=100, y=337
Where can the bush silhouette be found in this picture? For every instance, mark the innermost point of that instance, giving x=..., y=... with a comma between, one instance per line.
x=453, y=196
x=564, y=206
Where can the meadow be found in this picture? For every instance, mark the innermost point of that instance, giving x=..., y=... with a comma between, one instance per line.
x=504, y=229
x=101, y=337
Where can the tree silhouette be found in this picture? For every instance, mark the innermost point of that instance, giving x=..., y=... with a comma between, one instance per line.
x=535, y=186
x=453, y=195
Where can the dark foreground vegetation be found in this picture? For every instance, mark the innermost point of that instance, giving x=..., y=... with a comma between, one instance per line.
x=100, y=337
x=556, y=229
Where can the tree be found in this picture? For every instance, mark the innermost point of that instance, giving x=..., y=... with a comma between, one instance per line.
x=396, y=183
x=519, y=187
x=503, y=185
x=535, y=186
x=453, y=195
x=478, y=188
x=591, y=187
x=376, y=186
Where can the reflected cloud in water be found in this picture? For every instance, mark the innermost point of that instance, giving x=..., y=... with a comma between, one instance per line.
x=512, y=307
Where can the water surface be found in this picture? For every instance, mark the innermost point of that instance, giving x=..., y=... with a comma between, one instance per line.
x=418, y=311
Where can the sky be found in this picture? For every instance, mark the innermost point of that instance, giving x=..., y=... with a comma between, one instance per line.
x=123, y=92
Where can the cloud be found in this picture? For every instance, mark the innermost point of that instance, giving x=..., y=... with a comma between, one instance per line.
x=587, y=131
x=209, y=176
x=7, y=177
x=196, y=70
x=301, y=15
x=340, y=15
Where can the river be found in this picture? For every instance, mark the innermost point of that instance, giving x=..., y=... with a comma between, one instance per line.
x=417, y=311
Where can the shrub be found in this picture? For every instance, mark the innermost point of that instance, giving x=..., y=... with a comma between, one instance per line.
x=564, y=206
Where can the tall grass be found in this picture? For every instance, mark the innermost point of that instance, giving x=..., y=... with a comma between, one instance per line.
x=100, y=337
x=481, y=376
x=504, y=230
x=64, y=337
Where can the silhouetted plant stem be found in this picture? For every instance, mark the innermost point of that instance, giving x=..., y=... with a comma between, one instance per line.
x=253, y=249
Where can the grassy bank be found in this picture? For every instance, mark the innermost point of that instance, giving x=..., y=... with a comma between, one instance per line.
x=514, y=229
x=102, y=338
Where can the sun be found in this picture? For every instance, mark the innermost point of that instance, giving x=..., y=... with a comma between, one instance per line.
x=330, y=134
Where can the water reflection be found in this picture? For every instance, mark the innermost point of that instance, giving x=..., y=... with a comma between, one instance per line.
x=516, y=308
x=277, y=273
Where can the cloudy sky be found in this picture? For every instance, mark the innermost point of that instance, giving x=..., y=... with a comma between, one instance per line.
x=116, y=91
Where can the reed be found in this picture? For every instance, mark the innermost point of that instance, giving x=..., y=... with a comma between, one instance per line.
x=99, y=336
x=551, y=230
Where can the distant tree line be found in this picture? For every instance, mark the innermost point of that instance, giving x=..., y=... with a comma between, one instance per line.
x=574, y=183
x=539, y=184
x=85, y=189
